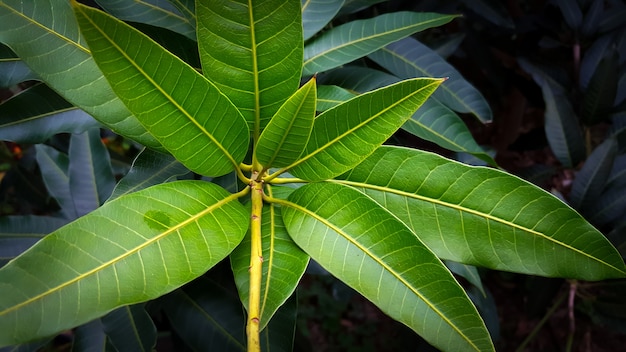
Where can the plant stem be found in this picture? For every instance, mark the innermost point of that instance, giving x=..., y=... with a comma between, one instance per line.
x=256, y=267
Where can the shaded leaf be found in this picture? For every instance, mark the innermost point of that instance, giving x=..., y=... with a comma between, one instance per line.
x=331, y=96
x=353, y=40
x=359, y=79
x=485, y=217
x=12, y=69
x=18, y=233
x=409, y=58
x=280, y=332
x=468, y=272
x=287, y=133
x=252, y=51
x=318, y=13
x=571, y=13
x=130, y=328
x=54, y=167
x=347, y=133
x=89, y=337
x=38, y=113
x=50, y=43
x=132, y=249
x=592, y=177
x=167, y=95
x=493, y=11
x=601, y=90
x=369, y=249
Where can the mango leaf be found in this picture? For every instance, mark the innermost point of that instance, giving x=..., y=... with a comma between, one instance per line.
x=356, y=78
x=493, y=11
x=167, y=96
x=363, y=245
x=252, y=51
x=12, y=69
x=408, y=58
x=331, y=96
x=89, y=337
x=344, y=135
x=157, y=13
x=562, y=128
x=318, y=13
x=592, y=58
x=468, y=272
x=608, y=207
x=132, y=249
x=287, y=133
x=50, y=44
x=283, y=264
x=601, y=90
x=356, y=39
x=571, y=13
x=54, y=167
x=207, y=316
x=149, y=168
x=91, y=178
x=279, y=334
x=18, y=233
x=592, y=177
x=130, y=328
x=24, y=122
x=485, y=217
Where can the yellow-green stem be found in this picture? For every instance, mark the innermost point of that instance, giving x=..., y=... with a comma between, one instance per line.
x=256, y=267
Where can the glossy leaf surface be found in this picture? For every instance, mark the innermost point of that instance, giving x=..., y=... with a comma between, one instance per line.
x=191, y=118
x=408, y=58
x=346, y=134
x=130, y=250
x=485, y=217
x=24, y=122
x=44, y=34
x=252, y=51
x=283, y=264
x=356, y=39
x=286, y=135
x=369, y=249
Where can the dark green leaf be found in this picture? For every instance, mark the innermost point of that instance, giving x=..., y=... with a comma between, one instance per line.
x=130, y=328
x=571, y=13
x=592, y=177
x=601, y=90
x=54, y=167
x=318, y=13
x=331, y=96
x=18, y=233
x=89, y=337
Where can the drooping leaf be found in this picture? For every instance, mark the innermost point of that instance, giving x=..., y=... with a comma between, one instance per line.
x=157, y=13
x=252, y=51
x=132, y=249
x=130, y=328
x=283, y=264
x=167, y=96
x=608, y=207
x=45, y=35
x=485, y=217
x=493, y=11
x=358, y=79
x=91, y=178
x=54, y=167
x=571, y=13
x=331, y=96
x=279, y=334
x=318, y=13
x=594, y=13
x=601, y=90
x=369, y=249
x=352, y=6
x=24, y=122
x=149, y=168
x=285, y=136
x=592, y=58
x=89, y=337
x=468, y=272
x=12, y=69
x=356, y=39
x=561, y=126
x=409, y=58
x=207, y=316
x=592, y=177
x=347, y=133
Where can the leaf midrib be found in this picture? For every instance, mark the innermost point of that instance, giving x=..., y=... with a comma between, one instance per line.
x=118, y=258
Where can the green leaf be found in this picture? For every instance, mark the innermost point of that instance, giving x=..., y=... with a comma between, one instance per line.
x=12, y=69
x=37, y=113
x=331, y=96
x=409, y=58
x=54, y=167
x=343, y=136
x=130, y=328
x=207, y=316
x=149, y=168
x=184, y=111
x=18, y=233
x=252, y=51
x=279, y=334
x=89, y=337
x=153, y=12
x=46, y=36
x=493, y=11
x=358, y=79
x=485, y=217
x=132, y=249
x=285, y=136
x=353, y=40
x=468, y=272
x=283, y=264
x=91, y=178
x=562, y=129
x=601, y=90
x=571, y=13
x=592, y=177
x=369, y=249
x=316, y=14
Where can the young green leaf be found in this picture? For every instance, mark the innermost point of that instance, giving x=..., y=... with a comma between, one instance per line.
x=369, y=249
x=132, y=249
x=283, y=264
x=191, y=118
x=485, y=217
x=46, y=36
x=356, y=39
x=252, y=51
x=344, y=135
x=286, y=135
